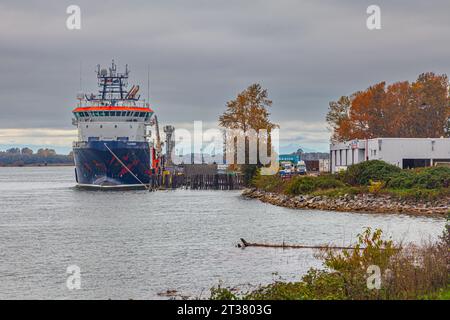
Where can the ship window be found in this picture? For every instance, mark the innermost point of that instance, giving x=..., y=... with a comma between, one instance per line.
x=101, y=126
x=124, y=113
x=101, y=113
x=86, y=114
x=106, y=113
x=128, y=113
x=115, y=126
x=142, y=114
x=96, y=113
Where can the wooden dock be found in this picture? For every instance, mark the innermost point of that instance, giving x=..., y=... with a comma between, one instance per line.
x=218, y=181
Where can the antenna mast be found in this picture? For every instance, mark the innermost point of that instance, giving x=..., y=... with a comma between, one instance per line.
x=148, y=85
x=81, y=67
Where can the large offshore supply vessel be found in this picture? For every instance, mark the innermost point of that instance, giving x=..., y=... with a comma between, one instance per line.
x=113, y=148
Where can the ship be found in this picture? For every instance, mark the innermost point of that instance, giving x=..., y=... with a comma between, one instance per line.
x=113, y=149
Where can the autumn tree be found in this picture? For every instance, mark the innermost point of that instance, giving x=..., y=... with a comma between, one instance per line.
x=419, y=109
x=46, y=152
x=248, y=112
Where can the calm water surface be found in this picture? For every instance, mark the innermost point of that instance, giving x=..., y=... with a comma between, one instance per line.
x=135, y=244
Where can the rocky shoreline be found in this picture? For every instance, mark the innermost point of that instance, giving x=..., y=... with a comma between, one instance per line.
x=353, y=203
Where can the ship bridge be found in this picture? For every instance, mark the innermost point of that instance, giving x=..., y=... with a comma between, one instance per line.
x=114, y=113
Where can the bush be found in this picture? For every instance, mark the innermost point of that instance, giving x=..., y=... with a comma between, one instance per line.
x=362, y=173
x=376, y=186
x=271, y=183
x=305, y=185
x=426, y=178
x=249, y=172
x=418, y=194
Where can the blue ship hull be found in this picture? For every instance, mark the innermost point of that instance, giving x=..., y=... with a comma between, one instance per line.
x=98, y=166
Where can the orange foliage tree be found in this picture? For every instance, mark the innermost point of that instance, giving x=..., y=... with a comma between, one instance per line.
x=420, y=109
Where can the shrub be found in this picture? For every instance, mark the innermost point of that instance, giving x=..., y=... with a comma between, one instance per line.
x=426, y=178
x=362, y=173
x=418, y=194
x=300, y=185
x=376, y=186
x=305, y=185
x=339, y=192
x=249, y=172
x=220, y=293
x=316, y=284
x=409, y=272
x=402, y=180
x=271, y=183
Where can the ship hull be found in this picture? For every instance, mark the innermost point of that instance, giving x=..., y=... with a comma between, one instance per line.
x=112, y=164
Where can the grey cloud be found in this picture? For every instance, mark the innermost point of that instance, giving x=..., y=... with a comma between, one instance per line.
x=201, y=53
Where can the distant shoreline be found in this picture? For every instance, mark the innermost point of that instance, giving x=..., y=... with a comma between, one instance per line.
x=38, y=165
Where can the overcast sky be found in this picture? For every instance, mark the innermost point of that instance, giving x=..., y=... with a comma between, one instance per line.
x=201, y=53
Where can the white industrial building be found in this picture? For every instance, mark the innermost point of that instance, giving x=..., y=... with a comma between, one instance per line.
x=402, y=152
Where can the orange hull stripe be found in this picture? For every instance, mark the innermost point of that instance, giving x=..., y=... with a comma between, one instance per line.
x=112, y=108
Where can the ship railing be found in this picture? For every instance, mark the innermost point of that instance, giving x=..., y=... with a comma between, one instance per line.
x=125, y=103
x=78, y=144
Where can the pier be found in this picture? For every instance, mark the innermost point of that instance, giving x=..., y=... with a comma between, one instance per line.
x=218, y=181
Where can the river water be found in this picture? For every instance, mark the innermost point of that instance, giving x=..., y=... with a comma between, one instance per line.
x=136, y=244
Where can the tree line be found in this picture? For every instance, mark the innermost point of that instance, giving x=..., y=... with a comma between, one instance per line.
x=26, y=156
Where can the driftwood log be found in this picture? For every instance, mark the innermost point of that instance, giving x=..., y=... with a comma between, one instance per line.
x=290, y=246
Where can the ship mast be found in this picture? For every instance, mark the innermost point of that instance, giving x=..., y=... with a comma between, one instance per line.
x=112, y=87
